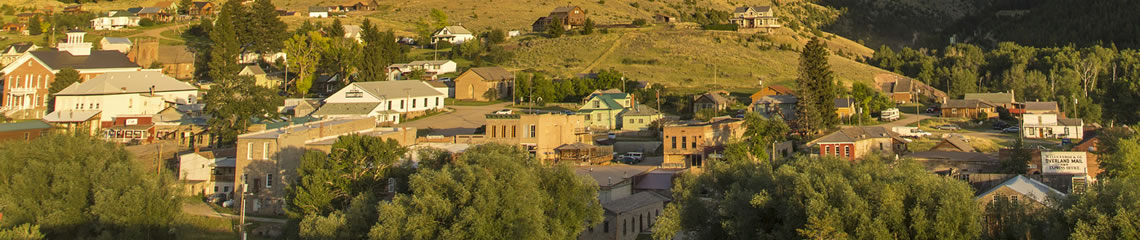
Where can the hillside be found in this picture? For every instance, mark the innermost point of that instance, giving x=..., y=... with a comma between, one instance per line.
x=684, y=59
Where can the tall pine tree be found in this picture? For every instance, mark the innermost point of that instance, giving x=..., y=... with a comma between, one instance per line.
x=268, y=31
x=335, y=29
x=226, y=47
x=817, y=90
x=380, y=50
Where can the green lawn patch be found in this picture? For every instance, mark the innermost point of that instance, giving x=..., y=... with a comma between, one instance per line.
x=456, y=102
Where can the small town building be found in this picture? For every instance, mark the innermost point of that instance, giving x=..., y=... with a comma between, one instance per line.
x=431, y=69
x=1042, y=108
x=156, y=14
x=902, y=90
x=353, y=32
x=1020, y=189
x=639, y=117
x=664, y=19
x=453, y=35
x=202, y=8
x=26, y=16
x=771, y=90
x=691, y=144
x=130, y=129
x=185, y=124
x=126, y=93
x=168, y=7
x=368, y=5
x=717, y=101
x=844, y=107
x=15, y=28
x=601, y=108
x=754, y=19
x=260, y=78
x=969, y=109
x=176, y=62
x=852, y=143
x=957, y=162
x=23, y=131
x=540, y=134
x=629, y=217
x=14, y=51
x=905, y=90
x=569, y=16
x=1003, y=100
x=208, y=172
x=1041, y=120
x=86, y=122
x=773, y=106
x=954, y=144
x=115, y=20
x=120, y=44
x=318, y=12
x=386, y=101
x=583, y=154
x=484, y=84
x=27, y=79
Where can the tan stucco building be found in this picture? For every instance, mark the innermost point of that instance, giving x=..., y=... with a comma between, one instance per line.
x=476, y=82
x=539, y=133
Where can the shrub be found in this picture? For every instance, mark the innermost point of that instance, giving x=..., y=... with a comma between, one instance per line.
x=146, y=22
x=720, y=27
x=640, y=22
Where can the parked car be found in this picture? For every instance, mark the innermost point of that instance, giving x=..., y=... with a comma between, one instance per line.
x=1013, y=129
x=504, y=111
x=913, y=132
x=567, y=112
x=949, y=127
x=999, y=125
x=630, y=158
x=931, y=109
x=217, y=197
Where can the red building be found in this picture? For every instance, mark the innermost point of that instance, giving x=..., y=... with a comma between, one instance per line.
x=852, y=143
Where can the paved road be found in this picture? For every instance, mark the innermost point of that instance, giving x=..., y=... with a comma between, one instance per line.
x=464, y=120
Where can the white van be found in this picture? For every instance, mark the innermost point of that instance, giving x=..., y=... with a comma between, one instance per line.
x=889, y=115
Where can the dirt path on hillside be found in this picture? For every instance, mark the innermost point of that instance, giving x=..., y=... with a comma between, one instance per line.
x=605, y=54
x=157, y=32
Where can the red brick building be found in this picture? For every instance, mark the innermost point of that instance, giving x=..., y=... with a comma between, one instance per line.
x=852, y=143
x=25, y=131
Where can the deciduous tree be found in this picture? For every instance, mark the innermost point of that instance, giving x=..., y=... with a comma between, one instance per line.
x=304, y=55
x=233, y=103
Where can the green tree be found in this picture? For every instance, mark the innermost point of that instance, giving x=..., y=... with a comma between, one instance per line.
x=380, y=50
x=493, y=192
x=1124, y=161
x=761, y=133
x=184, y=6
x=439, y=18
x=1018, y=162
x=35, y=28
x=818, y=198
x=1108, y=210
x=79, y=187
x=304, y=55
x=24, y=231
x=588, y=27
x=266, y=31
x=817, y=90
x=226, y=46
x=495, y=36
x=340, y=57
x=233, y=104
x=328, y=181
x=64, y=78
x=335, y=29
x=1007, y=218
x=554, y=28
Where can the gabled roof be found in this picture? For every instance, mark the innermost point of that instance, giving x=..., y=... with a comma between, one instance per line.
x=25, y=125
x=457, y=30
x=1041, y=106
x=219, y=153
x=1028, y=187
x=121, y=13
x=1070, y=122
x=996, y=98
x=19, y=47
x=318, y=9
x=968, y=103
x=640, y=110
x=394, y=89
x=715, y=98
x=634, y=202
x=175, y=55
x=778, y=99
x=754, y=8
x=493, y=73
x=575, y=146
x=252, y=70
x=71, y=115
x=844, y=102
x=117, y=40
x=959, y=143
x=852, y=134
x=610, y=99
x=98, y=59
x=564, y=9
x=150, y=10
x=361, y=109
x=199, y=5
x=126, y=82
x=902, y=85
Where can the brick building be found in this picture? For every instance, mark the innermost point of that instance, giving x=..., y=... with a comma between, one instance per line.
x=689, y=145
x=852, y=143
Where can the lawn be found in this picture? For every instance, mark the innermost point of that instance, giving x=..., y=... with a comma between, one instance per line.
x=456, y=102
x=200, y=227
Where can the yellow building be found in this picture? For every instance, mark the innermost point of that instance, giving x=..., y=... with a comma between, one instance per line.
x=539, y=133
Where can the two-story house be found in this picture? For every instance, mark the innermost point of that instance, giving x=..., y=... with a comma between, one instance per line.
x=754, y=18
x=387, y=101
x=569, y=16
x=540, y=134
x=14, y=51
x=453, y=35
x=126, y=93
x=771, y=106
x=1044, y=120
x=26, y=81
x=431, y=69
x=628, y=212
x=690, y=144
x=852, y=143
x=601, y=108
x=771, y=90
x=717, y=101
x=969, y=108
x=484, y=84
x=208, y=172
x=115, y=20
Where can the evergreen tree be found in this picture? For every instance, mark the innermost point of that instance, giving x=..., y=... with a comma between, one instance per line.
x=34, y=26
x=380, y=50
x=184, y=6
x=816, y=84
x=335, y=29
x=307, y=27
x=226, y=47
x=64, y=78
x=1018, y=162
x=233, y=103
x=588, y=28
x=554, y=28
x=267, y=31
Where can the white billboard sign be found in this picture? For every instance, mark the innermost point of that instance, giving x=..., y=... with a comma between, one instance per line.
x=1063, y=163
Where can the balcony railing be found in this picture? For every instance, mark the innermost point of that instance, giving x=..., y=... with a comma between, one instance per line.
x=22, y=91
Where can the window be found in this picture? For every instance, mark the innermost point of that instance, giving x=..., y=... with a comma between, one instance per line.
x=425, y=102
x=606, y=226
x=684, y=142
x=694, y=143
x=413, y=102
x=96, y=106
x=846, y=151
x=27, y=136
x=1013, y=198
x=249, y=151
x=587, y=117
x=226, y=189
x=533, y=131
x=674, y=142
x=354, y=94
x=268, y=180
x=630, y=120
x=493, y=130
x=215, y=188
x=514, y=129
x=437, y=101
x=389, y=105
x=624, y=226
x=641, y=121
x=828, y=150
x=597, y=104
x=401, y=104
x=265, y=151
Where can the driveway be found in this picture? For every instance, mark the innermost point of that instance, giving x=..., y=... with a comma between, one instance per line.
x=464, y=120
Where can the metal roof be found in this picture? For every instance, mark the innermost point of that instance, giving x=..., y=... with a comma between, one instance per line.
x=399, y=89
x=127, y=82
x=633, y=202
x=998, y=98
x=25, y=125
x=493, y=73
x=71, y=115
x=1028, y=187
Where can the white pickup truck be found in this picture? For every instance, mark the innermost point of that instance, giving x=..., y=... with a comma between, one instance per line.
x=913, y=132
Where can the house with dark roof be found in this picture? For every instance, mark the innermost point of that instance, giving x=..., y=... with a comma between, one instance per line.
x=318, y=12
x=771, y=90
x=1044, y=120
x=754, y=19
x=852, y=143
x=16, y=50
x=956, y=162
x=1001, y=99
x=484, y=84
x=25, y=131
x=904, y=90
x=27, y=79
x=844, y=107
x=569, y=16
x=901, y=90
x=772, y=106
x=628, y=213
x=969, y=108
x=202, y=8
x=717, y=101
x=386, y=101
